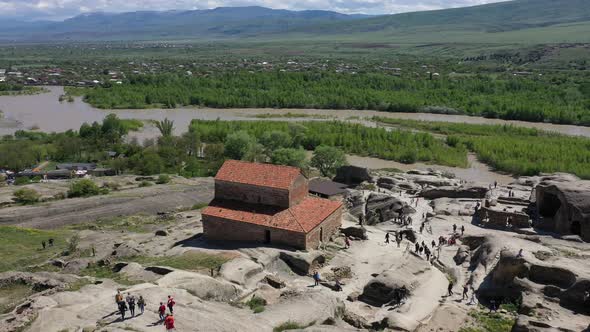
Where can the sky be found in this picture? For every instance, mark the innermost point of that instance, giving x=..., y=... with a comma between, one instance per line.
x=62, y=9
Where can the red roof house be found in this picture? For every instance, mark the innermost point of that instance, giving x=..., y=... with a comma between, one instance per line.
x=268, y=203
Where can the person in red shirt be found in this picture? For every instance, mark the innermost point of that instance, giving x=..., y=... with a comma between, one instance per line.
x=162, y=311
x=169, y=322
x=171, y=304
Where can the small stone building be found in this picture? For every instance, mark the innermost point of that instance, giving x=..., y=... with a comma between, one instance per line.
x=268, y=204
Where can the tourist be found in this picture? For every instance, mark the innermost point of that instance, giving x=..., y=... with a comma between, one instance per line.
x=427, y=253
x=169, y=322
x=171, y=304
x=93, y=251
x=433, y=244
x=346, y=242
x=417, y=247
x=398, y=239
x=472, y=300
x=387, y=238
x=118, y=297
x=465, y=292
x=141, y=304
x=420, y=250
x=43, y=244
x=131, y=303
x=462, y=230
x=162, y=311
x=338, y=286
x=361, y=219
x=409, y=220
x=493, y=306
x=316, y=278
x=454, y=228
x=122, y=309
x=450, y=288
x=495, y=184
x=51, y=242
x=421, y=228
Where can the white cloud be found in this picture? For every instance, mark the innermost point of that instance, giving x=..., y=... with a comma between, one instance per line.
x=60, y=9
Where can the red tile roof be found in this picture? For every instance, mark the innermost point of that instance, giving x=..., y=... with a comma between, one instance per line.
x=264, y=175
x=301, y=218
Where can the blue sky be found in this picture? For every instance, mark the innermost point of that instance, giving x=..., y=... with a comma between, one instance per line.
x=61, y=9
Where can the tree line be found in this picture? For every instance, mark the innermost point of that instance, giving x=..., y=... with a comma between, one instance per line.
x=512, y=149
x=507, y=97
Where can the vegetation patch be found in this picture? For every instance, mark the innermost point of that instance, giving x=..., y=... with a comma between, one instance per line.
x=12, y=294
x=512, y=149
x=136, y=224
x=489, y=322
x=22, y=247
x=402, y=146
x=290, y=325
x=256, y=304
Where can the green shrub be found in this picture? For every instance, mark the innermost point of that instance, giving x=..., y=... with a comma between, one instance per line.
x=85, y=188
x=145, y=183
x=256, y=304
x=26, y=196
x=163, y=179
x=22, y=180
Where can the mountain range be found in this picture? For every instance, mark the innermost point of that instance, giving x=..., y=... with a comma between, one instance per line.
x=534, y=21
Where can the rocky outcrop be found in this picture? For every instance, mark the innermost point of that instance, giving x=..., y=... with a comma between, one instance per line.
x=355, y=202
x=564, y=207
x=381, y=208
x=303, y=263
x=352, y=175
x=239, y=270
x=201, y=286
x=355, y=232
x=398, y=184
x=471, y=191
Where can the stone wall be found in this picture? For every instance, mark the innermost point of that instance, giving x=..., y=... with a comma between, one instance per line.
x=251, y=194
x=326, y=229
x=497, y=218
x=222, y=229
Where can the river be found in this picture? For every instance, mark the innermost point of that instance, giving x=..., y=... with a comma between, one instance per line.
x=45, y=112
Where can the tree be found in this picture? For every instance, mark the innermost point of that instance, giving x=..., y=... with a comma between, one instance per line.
x=26, y=196
x=275, y=140
x=84, y=188
x=328, y=159
x=166, y=127
x=214, y=157
x=289, y=157
x=238, y=144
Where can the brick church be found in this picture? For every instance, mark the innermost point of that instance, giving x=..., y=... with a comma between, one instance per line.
x=268, y=204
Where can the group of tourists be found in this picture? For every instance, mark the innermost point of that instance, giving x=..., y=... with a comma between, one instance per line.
x=130, y=302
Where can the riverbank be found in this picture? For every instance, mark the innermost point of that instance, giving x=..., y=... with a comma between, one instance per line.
x=45, y=111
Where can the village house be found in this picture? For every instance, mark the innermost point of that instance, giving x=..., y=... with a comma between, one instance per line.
x=268, y=204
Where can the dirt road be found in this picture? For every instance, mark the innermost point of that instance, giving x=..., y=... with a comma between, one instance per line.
x=147, y=200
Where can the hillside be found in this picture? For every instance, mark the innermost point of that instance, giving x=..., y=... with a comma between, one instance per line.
x=519, y=21
x=215, y=23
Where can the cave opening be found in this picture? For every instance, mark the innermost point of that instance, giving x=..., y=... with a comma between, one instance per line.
x=549, y=205
x=576, y=228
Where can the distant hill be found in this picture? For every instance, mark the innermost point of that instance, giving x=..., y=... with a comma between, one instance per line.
x=519, y=21
x=223, y=22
